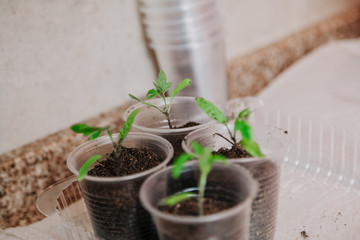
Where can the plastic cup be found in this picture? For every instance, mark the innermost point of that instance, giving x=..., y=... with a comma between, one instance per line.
x=168, y=4
x=203, y=62
x=113, y=204
x=179, y=12
x=183, y=110
x=233, y=185
x=274, y=144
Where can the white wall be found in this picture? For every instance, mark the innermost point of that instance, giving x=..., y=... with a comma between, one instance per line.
x=63, y=61
x=251, y=24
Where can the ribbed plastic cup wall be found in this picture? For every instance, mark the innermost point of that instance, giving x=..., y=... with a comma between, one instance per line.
x=188, y=42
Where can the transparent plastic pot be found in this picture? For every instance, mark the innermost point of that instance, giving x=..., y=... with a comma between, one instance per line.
x=183, y=110
x=187, y=37
x=185, y=24
x=171, y=4
x=203, y=62
x=275, y=145
x=233, y=185
x=112, y=202
x=180, y=11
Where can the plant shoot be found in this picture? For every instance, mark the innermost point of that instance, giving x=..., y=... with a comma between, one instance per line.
x=95, y=132
x=162, y=86
x=206, y=160
x=241, y=125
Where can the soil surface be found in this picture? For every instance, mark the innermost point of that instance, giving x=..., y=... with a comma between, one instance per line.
x=188, y=124
x=131, y=161
x=176, y=140
x=190, y=207
x=114, y=208
x=234, y=152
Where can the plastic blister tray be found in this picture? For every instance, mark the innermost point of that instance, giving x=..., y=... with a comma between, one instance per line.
x=319, y=189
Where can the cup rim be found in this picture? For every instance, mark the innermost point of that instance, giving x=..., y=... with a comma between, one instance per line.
x=206, y=218
x=162, y=130
x=105, y=140
x=285, y=141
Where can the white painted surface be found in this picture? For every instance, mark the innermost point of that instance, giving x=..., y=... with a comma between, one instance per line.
x=64, y=61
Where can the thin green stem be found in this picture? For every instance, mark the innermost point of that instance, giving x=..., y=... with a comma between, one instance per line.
x=202, y=185
x=112, y=141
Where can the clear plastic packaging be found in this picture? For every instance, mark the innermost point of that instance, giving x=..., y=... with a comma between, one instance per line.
x=112, y=202
x=230, y=184
x=319, y=187
x=274, y=143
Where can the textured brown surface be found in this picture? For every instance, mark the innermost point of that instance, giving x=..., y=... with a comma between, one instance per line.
x=247, y=75
x=31, y=168
x=27, y=170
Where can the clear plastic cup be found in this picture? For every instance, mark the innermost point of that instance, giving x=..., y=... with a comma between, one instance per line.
x=184, y=10
x=230, y=184
x=203, y=62
x=185, y=39
x=183, y=110
x=274, y=143
x=112, y=202
x=183, y=24
x=170, y=4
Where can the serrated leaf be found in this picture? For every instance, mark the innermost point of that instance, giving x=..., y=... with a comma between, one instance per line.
x=127, y=126
x=179, y=164
x=151, y=93
x=176, y=198
x=211, y=110
x=85, y=167
x=252, y=148
x=184, y=83
x=244, y=128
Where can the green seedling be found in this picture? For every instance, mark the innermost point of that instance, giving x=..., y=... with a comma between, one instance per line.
x=162, y=86
x=95, y=132
x=241, y=125
x=206, y=160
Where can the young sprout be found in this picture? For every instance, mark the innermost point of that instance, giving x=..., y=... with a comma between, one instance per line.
x=206, y=160
x=95, y=132
x=161, y=87
x=241, y=125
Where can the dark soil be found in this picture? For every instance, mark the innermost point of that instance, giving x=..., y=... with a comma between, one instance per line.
x=188, y=124
x=132, y=161
x=190, y=207
x=114, y=208
x=235, y=152
x=176, y=140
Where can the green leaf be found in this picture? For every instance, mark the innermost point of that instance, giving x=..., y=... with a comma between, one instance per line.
x=163, y=85
x=179, y=164
x=252, y=148
x=211, y=110
x=176, y=198
x=244, y=128
x=133, y=97
x=85, y=129
x=85, y=167
x=95, y=135
x=219, y=158
x=127, y=126
x=151, y=93
x=184, y=83
x=244, y=114
x=197, y=148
